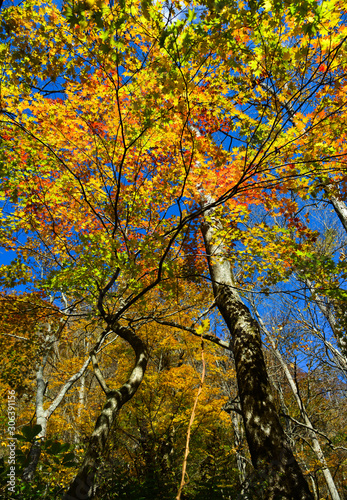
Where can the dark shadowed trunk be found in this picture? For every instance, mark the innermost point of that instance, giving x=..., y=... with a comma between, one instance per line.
x=276, y=467
x=34, y=457
x=83, y=486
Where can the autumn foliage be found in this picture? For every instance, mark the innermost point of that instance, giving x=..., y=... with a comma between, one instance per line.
x=125, y=129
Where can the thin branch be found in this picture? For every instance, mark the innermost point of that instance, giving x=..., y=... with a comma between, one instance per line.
x=186, y=452
x=205, y=336
x=15, y=336
x=330, y=443
x=65, y=388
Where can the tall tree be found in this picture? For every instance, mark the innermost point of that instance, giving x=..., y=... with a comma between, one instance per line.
x=103, y=170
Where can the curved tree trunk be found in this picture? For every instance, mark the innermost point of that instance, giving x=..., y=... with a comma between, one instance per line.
x=83, y=486
x=270, y=451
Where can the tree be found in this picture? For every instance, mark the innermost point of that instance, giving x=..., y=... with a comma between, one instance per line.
x=33, y=327
x=315, y=442
x=110, y=179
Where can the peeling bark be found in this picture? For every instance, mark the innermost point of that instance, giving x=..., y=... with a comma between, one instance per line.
x=83, y=486
x=270, y=451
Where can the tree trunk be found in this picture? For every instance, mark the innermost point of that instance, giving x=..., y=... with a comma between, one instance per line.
x=311, y=431
x=41, y=419
x=270, y=451
x=83, y=486
x=340, y=335
x=340, y=209
x=326, y=307
x=42, y=416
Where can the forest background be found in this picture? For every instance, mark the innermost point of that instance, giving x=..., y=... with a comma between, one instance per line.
x=173, y=185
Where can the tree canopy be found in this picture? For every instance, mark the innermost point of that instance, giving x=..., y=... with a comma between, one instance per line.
x=173, y=184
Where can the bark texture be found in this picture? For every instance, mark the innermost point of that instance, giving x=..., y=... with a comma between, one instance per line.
x=83, y=486
x=277, y=469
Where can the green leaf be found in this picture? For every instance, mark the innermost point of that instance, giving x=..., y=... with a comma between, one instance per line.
x=30, y=432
